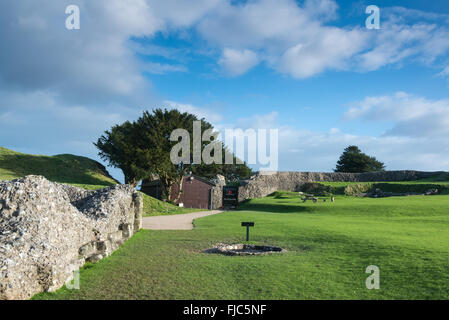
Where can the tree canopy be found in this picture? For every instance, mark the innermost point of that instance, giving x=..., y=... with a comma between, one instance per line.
x=353, y=160
x=118, y=146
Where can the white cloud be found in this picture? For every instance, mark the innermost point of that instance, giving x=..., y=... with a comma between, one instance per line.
x=162, y=68
x=316, y=151
x=292, y=38
x=396, y=42
x=296, y=40
x=306, y=150
x=402, y=14
x=413, y=116
x=182, y=13
x=237, y=62
x=89, y=65
x=254, y=24
x=325, y=10
x=444, y=72
x=32, y=22
x=206, y=113
x=331, y=49
x=259, y=121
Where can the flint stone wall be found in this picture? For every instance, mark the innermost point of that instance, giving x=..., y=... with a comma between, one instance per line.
x=261, y=185
x=217, y=192
x=48, y=230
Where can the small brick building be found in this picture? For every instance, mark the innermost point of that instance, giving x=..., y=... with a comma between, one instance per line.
x=197, y=192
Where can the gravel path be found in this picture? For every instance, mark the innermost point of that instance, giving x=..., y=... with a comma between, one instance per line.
x=175, y=222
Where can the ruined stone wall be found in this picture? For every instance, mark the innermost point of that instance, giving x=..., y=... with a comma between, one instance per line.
x=217, y=197
x=48, y=230
x=217, y=192
x=261, y=185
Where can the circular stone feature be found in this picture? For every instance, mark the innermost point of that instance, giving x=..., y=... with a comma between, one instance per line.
x=244, y=249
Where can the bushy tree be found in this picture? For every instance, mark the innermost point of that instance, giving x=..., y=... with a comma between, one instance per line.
x=155, y=145
x=353, y=160
x=142, y=149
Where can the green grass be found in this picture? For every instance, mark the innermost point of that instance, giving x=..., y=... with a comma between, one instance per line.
x=329, y=247
x=155, y=207
x=63, y=168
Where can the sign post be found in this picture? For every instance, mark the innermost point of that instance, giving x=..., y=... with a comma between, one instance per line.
x=247, y=225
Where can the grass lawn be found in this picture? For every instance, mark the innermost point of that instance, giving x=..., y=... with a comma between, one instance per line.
x=329, y=247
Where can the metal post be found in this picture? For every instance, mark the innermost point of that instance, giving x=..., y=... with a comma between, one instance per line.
x=247, y=225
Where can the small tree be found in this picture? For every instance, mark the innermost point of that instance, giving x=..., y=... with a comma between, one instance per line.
x=353, y=160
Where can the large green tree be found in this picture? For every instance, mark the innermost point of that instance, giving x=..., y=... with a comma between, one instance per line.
x=155, y=145
x=143, y=149
x=353, y=160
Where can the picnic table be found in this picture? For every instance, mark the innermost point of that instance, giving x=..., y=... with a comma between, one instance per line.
x=309, y=197
x=313, y=198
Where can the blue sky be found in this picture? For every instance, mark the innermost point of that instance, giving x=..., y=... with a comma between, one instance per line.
x=308, y=68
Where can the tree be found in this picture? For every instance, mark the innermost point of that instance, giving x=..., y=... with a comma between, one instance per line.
x=353, y=160
x=155, y=146
x=142, y=149
x=118, y=148
x=156, y=129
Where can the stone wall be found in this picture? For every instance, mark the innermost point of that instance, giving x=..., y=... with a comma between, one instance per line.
x=217, y=197
x=261, y=185
x=217, y=192
x=48, y=230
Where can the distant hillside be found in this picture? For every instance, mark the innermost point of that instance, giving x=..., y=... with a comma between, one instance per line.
x=64, y=168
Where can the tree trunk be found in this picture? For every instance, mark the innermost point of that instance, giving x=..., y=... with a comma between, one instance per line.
x=134, y=184
x=131, y=181
x=166, y=185
x=180, y=184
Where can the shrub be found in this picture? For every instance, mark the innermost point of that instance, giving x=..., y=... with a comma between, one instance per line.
x=317, y=189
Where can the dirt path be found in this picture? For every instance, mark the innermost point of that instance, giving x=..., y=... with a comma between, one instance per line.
x=175, y=222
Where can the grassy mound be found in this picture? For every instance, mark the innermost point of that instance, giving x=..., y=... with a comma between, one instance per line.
x=281, y=194
x=64, y=168
x=155, y=207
